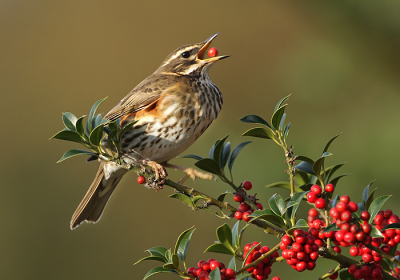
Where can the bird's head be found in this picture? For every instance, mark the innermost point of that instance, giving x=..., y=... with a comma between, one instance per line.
x=189, y=59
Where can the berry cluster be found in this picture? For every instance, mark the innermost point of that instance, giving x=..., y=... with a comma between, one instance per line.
x=391, y=236
x=244, y=209
x=203, y=269
x=254, y=251
x=315, y=195
x=301, y=252
x=351, y=232
x=366, y=271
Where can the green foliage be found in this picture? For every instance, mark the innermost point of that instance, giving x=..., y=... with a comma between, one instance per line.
x=92, y=138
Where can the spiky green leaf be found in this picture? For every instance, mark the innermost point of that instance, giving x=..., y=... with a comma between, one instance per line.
x=260, y=132
x=235, y=153
x=89, y=124
x=75, y=152
x=182, y=244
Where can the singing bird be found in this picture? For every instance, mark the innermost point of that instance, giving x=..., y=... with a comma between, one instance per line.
x=173, y=107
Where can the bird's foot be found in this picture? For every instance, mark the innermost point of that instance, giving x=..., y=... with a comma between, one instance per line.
x=191, y=173
x=160, y=174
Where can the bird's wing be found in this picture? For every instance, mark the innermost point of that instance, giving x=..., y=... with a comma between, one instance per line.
x=143, y=95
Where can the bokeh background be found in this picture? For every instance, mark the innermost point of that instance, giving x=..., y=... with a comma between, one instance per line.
x=340, y=60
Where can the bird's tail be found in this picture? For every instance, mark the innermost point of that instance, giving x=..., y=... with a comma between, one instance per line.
x=92, y=206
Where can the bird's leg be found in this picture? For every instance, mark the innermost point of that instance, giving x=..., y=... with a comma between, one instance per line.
x=190, y=172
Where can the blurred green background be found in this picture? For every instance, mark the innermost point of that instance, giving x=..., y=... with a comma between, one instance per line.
x=340, y=60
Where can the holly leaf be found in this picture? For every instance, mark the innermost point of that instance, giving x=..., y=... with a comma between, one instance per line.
x=158, y=270
x=89, y=124
x=277, y=205
x=215, y=274
x=259, y=132
x=209, y=165
x=182, y=244
x=255, y=119
x=75, y=152
x=376, y=206
x=69, y=121
x=68, y=135
x=184, y=198
x=235, y=153
x=218, y=248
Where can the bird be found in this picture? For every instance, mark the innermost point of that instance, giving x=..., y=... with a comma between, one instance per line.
x=173, y=107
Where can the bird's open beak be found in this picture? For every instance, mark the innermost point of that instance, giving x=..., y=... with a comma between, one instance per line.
x=204, y=48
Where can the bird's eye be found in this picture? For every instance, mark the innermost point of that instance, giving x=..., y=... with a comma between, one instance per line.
x=185, y=54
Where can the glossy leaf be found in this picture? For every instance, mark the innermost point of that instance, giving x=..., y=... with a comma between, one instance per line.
x=305, y=167
x=96, y=120
x=184, y=198
x=224, y=235
x=219, y=248
x=259, y=132
x=235, y=153
x=368, y=198
x=215, y=274
x=391, y=226
x=330, y=171
x=375, y=233
x=277, y=205
x=306, y=187
x=69, y=121
x=306, y=159
x=221, y=197
x=173, y=263
x=151, y=258
x=282, y=122
x=286, y=131
x=75, y=152
x=68, y=135
x=299, y=224
x=302, y=178
x=331, y=227
x=158, y=270
x=333, y=203
x=294, y=203
x=111, y=139
x=329, y=143
x=79, y=126
x=255, y=119
x=277, y=117
x=209, y=165
x=89, y=124
x=232, y=263
x=96, y=135
x=318, y=164
x=284, y=185
x=196, y=157
x=217, y=152
x=279, y=104
x=159, y=251
x=269, y=216
x=235, y=235
x=225, y=154
x=376, y=206
x=182, y=244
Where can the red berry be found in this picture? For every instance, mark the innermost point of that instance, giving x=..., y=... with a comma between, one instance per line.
x=313, y=212
x=214, y=265
x=366, y=270
x=297, y=247
x=141, y=180
x=387, y=214
x=320, y=203
x=345, y=198
x=244, y=207
x=259, y=206
x=352, y=268
x=350, y=238
x=286, y=240
x=247, y=185
x=301, y=239
x=203, y=275
x=337, y=249
x=367, y=228
x=376, y=273
x=353, y=251
x=314, y=256
x=200, y=263
x=379, y=219
x=367, y=257
x=341, y=206
x=230, y=273
x=301, y=266
x=346, y=216
x=246, y=217
x=238, y=197
x=334, y=213
x=329, y=188
x=206, y=266
x=311, y=265
x=352, y=206
x=365, y=215
x=358, y=274
x=334, y=275
x=316, y=189
x=276, y=278
x=311, y=197
x=239, y=215
x=212, y=52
